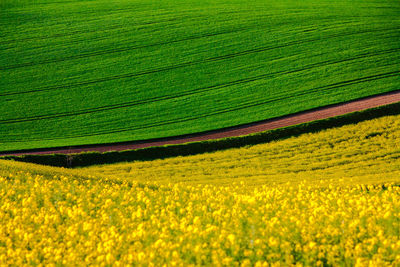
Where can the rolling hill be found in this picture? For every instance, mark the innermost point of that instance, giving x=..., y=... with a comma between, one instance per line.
x=87, y=72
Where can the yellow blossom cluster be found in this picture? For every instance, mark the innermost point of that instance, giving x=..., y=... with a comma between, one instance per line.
x=60, y=220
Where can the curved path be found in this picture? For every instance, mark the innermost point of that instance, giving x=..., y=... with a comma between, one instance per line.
x=306, y=116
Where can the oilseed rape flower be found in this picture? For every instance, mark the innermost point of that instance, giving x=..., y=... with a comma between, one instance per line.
x=61, y=221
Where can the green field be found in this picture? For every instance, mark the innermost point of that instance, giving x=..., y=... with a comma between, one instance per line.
x=85, y=72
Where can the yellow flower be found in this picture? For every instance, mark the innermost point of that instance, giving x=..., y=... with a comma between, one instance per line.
x=231, y=238
x=272, y=242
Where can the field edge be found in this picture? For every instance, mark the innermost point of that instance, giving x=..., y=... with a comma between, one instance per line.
x=192, y=148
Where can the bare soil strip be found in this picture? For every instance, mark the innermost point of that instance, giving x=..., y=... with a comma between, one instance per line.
x=302, y=117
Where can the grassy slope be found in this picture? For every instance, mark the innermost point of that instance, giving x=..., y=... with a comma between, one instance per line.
x=92, y=72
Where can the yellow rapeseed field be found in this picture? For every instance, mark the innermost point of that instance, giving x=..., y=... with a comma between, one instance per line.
x=367, y=152
x=331, y=198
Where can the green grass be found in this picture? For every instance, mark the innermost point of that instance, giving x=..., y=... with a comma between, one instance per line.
x=97, y=72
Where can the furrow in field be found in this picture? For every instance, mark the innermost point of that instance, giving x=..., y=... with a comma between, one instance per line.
x=110, y=28
x=198, y=90
x=86, y=31
x=243, y=105
x=185, y=64
x=119, y=50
